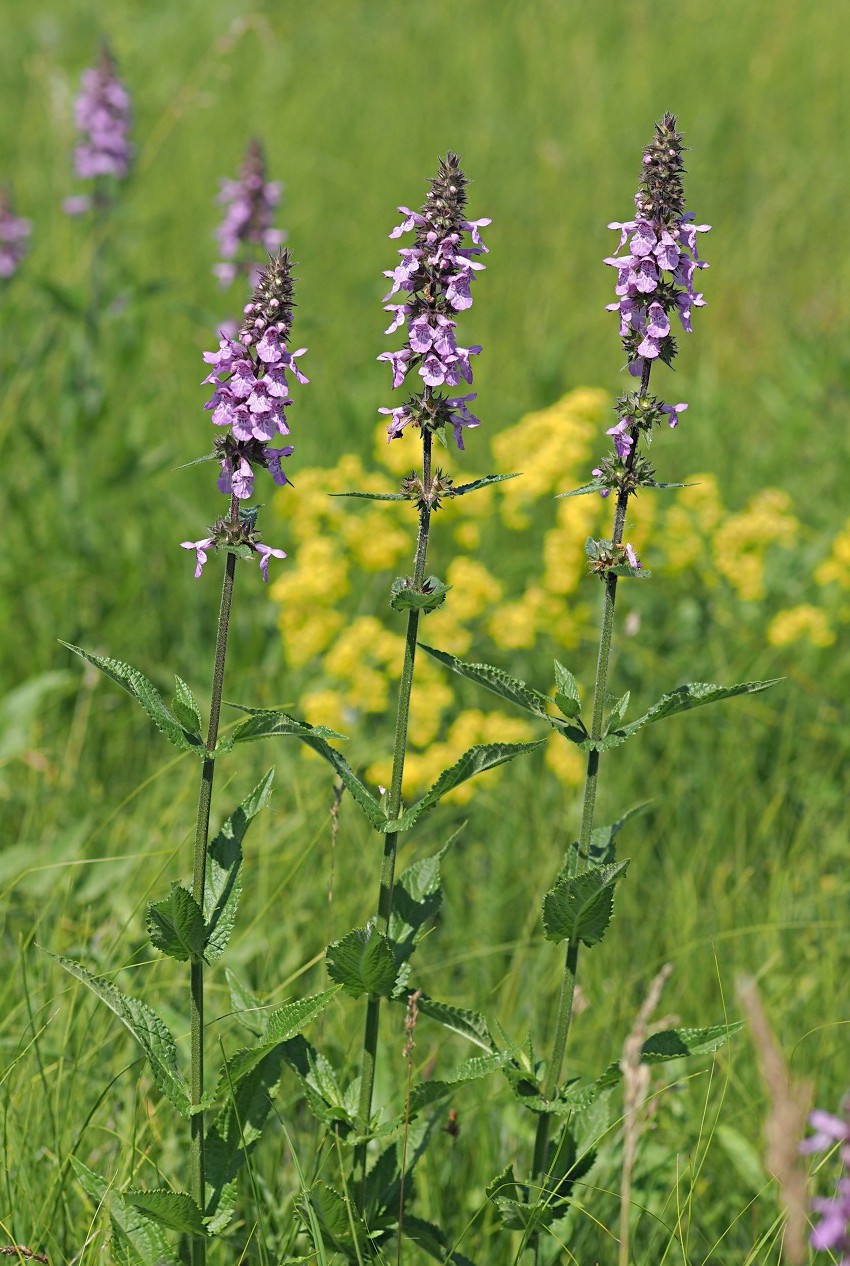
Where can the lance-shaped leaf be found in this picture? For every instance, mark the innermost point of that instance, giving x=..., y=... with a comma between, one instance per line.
x=566, y=692
x=136, y=1236
x=463, y=489
x=579, y=908
x=185, y=708
x=583, y=491
x=339, y=1224
x=602, y=847
x=404, y=596
x=615, y=716
x=428, y=1092
x=319, y=1083
x=284, y=1024
x=373, y=496
x=246, y=1005
x=433, y=1241
x=146, y=1027
x=417, y=896
x=496, y=681
x=683, y=699
x=517, y=1211
x=363, y=962
x=474, y=761
x=176, y=925
x=468, y=1024
x=264, y=725
x=173, y=1209
x=234, y=1133
x=145, y=693
x=223, y=878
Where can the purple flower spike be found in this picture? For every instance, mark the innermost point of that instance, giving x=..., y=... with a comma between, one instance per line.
x=102, y=114
x=14, y=236
x=249, y=203
x=249, y=377
x=662, y=255
x=435, y=276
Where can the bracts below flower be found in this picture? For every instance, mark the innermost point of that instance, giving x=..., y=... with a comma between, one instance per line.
x=249, y=403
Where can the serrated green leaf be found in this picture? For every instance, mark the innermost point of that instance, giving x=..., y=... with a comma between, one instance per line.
x=683, y=699
x=434, y=1241
x=319, y=1083
x=634, y=573
x=176, y=925
x=481, y=483
x=516, y=1211
x=140, y=1239
x=417, y=896
x=146, y=694
x=404, y=597
x=363, y=962
x=223, y=885
x=583, y=491
x=146, y=1027
x=185, y=708
x=246, y=1005
x=173, y=1209
x=373, y=496
x=468, y=1024
x=272, y=722
x=474, y=761
x=495, y=680
x=566, y=692
x=428, y=1092
x=602, y=848
x=580, y=908
x=314, y=738
x=617, y=713
x=340, y=1225
x=678, y=1043
x=237, y=1128
x=283, y=1024
x=222, y=1215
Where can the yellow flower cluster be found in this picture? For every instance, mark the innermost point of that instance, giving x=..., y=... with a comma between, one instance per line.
x=346, y=554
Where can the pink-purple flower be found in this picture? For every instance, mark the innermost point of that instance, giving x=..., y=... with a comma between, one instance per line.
x=14, y=236
x=249, y=203
x=832, y=1233
x=251, y=377
x=102, y=115
x=434, y=277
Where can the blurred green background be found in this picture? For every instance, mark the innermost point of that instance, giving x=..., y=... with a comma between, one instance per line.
x=549, y=104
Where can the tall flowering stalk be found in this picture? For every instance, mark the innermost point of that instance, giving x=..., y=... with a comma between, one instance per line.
x=654, y=280
x=433, y=280
x=103, y=152
x=250, y=378
x=249, y=203
x=14, y=236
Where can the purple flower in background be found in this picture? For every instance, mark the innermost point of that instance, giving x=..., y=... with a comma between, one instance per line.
x=14, y=236
x=249, y=203
x=434, y=278
x=102, y=114
x=250, y=378
x=833, y=1231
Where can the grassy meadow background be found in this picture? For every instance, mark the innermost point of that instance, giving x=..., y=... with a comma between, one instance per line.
x=740, y=864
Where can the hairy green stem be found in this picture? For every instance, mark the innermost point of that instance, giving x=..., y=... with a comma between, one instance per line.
x=385, y=894
x=600, y=694
x=199, y=877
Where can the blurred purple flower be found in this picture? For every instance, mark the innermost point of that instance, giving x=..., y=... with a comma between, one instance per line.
x=833, y=1231
x=102, y=114
x=14, y=236
x=249, y=203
